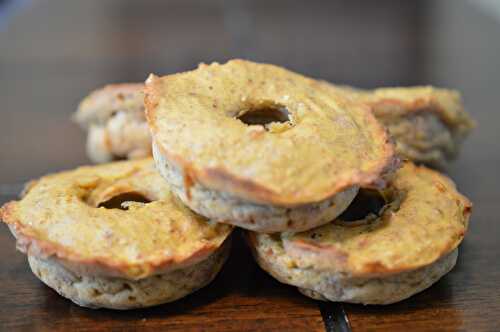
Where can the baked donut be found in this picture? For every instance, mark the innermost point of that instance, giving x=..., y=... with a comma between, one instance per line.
x=428, y=124
x=113, y=236
x=251, y=145
x=381, y=258
x=114, y=118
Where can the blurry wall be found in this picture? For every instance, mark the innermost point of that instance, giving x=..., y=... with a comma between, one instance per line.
x=54, y=52
x=463, y=51
x=350, y=41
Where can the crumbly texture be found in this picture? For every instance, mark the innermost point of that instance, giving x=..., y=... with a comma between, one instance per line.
x=226, y=208
x=394, y=255
x=329, y=144
x=124, y=136
x=425, y=218
x=114, y=118
x=117, y=293
x=327, y=285
x=59, y=216
x=423, y=138
x=427, y=123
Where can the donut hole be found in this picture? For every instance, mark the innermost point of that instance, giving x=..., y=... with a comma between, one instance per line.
x=366, y=206
x=119, y=158
x=123, y=200
x=265, y=115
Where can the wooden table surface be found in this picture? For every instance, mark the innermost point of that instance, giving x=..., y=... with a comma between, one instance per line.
x=53, y=52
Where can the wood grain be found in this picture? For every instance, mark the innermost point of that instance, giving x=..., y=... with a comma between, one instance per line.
x=242, y=298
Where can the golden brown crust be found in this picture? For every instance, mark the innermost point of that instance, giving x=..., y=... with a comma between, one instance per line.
x=427, y=219
x=307, y=164
x=58, y=217
x=427, y=123
x=102, y=103
x=224, y=208
x=445, y=103
x=113, y=117
x=340, y=286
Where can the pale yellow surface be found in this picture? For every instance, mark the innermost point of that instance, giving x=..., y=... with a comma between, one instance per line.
x=331, y=144
x=59, y=213
x=428, y=219
x=427, y=123
x=101, y=104
x=401, y=101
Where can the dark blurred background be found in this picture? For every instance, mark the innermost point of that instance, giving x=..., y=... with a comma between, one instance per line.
x=53, y=52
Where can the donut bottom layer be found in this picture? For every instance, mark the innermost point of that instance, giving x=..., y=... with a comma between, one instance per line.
x=226, y=208
x=340, y=287
x=117, y=293
x=423, y=138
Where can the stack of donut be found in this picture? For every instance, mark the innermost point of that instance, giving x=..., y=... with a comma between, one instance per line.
x=318, y=176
